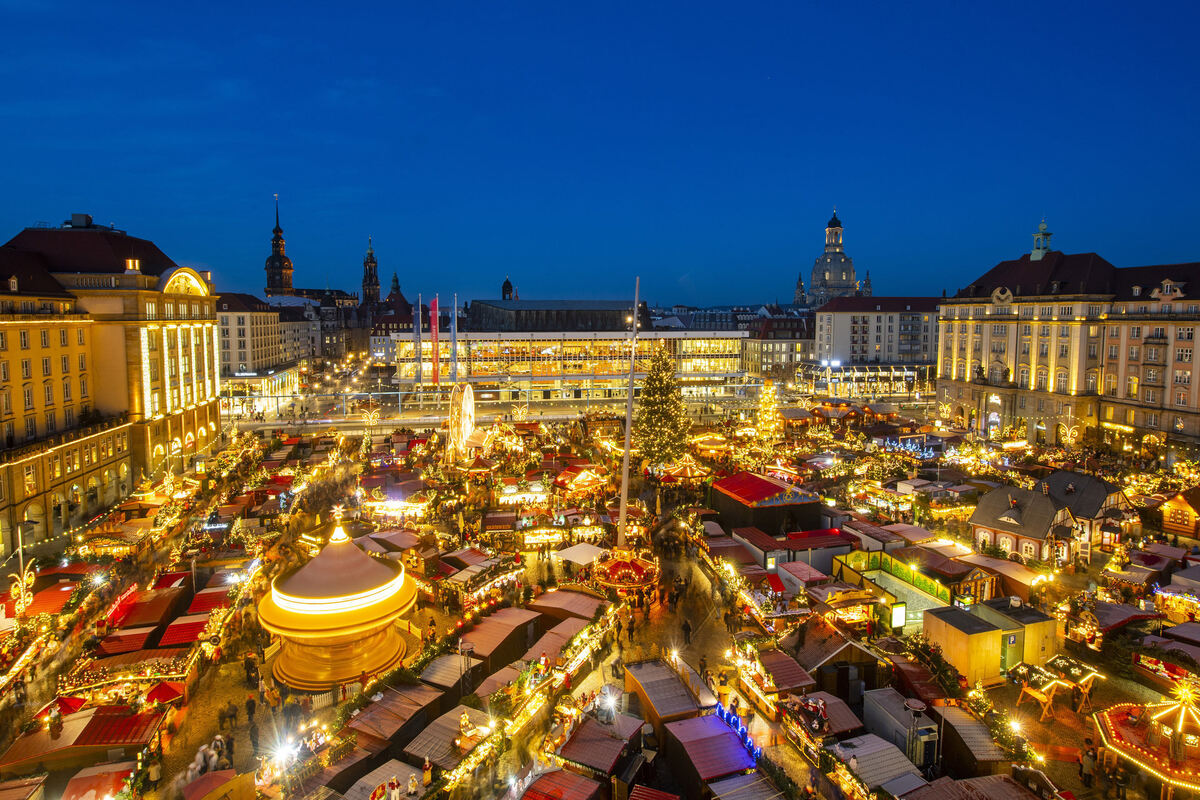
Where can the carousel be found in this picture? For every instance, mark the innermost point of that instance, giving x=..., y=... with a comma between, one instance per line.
x=336, y=615
x=1160, y=739
x=625, y=569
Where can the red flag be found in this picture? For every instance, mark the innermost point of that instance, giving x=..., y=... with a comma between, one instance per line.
x=433, y=333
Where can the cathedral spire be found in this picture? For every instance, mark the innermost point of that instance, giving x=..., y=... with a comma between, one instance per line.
x=370, y=279
x=278, y=266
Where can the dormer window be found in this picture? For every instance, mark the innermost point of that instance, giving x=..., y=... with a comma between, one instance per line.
x=12, y=283
x=1166, y=287
x=1137, y=291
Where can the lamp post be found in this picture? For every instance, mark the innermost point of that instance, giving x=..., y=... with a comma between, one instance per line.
x=637, y=285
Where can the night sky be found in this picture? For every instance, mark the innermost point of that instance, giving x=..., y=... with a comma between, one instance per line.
x=572, y=146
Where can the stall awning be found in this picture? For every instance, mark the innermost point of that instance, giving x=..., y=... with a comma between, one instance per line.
x=775, y=583
x=208, y=599
x=184, y=630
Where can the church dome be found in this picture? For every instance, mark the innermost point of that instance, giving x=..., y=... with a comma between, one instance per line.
x=834, y=222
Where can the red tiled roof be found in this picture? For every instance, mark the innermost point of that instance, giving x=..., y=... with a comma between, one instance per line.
x=756, y=537
x=598, y=746
x=208, y=599
x=151, y=607
x=91, y=250
x=750, y=488
x=51, y=599
x=184, y=630
x=124, y=641
x=170, y=580
x=562, y=785
x=785, y=672
x=641, y=792
x=815, y=540
x=727, y=547
x=116, y=727
x=493, y=631
x=713, y=748
x=77, y=568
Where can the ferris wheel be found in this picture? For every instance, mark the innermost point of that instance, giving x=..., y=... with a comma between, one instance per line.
x=462, y=417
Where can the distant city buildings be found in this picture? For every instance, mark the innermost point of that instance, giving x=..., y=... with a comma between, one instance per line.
x=877, y=330
x=256, y=373
x=1062, y=348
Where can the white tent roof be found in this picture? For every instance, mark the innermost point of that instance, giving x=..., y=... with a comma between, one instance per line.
x=582, y=554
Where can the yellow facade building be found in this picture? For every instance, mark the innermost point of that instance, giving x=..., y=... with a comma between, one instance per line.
x=108, y=372
x=61, y=460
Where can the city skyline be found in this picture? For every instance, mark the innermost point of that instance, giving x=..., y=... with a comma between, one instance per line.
x=555, y=146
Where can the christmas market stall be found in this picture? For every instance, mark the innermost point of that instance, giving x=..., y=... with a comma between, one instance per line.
x=767, y=676
x=817, y=719
x=83, y=738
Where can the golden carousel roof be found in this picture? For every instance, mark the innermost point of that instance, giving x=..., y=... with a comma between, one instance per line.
x=339, y=569
x=341, y=590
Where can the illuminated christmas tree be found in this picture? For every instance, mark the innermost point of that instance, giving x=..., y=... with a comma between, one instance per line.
x=660, y=426
x=768, y=423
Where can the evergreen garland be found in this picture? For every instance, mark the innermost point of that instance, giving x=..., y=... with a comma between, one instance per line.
x=660, y=426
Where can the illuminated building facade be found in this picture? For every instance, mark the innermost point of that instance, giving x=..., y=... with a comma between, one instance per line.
x=255, y=374
x=554, y=365
x=60, y=460
x=151, y=332
x=1055, y=347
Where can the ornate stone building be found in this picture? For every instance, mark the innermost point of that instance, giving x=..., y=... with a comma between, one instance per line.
x=833, y=272
x=1062, y=348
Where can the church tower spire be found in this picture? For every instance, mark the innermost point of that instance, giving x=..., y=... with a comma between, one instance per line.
x=278, y=266
x=370, y=280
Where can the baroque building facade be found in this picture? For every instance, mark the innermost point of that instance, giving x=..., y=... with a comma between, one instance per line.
x=85, y=301
x=1064, y=348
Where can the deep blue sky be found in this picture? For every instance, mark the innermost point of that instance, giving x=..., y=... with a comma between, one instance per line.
x=574, y=145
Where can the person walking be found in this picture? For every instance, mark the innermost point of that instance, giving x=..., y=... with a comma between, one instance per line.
x=630, y=628
x=1087, y=764
x=251, y=705
x=1121, y=781
x=687, y=632
x=253, y=737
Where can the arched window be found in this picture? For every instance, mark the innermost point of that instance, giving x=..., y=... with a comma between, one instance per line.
x=1060, y=382
x=1041, y=381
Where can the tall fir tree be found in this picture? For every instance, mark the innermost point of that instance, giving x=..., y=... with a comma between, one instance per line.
x=660, y=426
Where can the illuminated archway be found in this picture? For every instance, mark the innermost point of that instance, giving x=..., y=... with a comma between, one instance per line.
x=189, y=441
x=36, y=517
x=184, y=280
